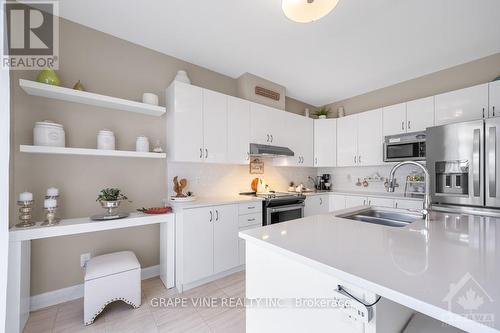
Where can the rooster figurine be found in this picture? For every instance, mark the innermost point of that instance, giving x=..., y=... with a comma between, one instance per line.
x=179, y=186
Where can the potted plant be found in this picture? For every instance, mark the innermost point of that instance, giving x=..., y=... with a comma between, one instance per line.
x=322, y=112
x=110, y=199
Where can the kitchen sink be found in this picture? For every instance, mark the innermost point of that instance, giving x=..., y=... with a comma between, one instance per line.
x=391, y=218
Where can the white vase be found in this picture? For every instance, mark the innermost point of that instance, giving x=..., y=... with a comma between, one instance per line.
x=182, y=77
x=341, y=111
x=142, y=144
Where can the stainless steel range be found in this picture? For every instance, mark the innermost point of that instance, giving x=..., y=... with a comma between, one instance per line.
x=280, y=206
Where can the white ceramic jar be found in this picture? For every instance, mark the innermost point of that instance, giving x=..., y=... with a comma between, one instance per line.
x=142, y=144
x=150, y=98
x=49, y=133
x=106, y=140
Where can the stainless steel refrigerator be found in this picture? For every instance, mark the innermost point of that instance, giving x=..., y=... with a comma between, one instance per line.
x=464, y=164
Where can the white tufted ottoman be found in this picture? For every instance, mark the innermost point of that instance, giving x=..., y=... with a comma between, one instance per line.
x=108, y=278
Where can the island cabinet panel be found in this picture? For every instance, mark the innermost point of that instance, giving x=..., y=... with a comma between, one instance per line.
x=273, y=275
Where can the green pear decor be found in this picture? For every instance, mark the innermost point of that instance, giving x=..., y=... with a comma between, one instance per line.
x=48, y=76
x=79, y=86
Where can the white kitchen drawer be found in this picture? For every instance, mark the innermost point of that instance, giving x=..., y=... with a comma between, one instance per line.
x=241, y=250
x=408, y=204
x=249, y=207
x=250, y=219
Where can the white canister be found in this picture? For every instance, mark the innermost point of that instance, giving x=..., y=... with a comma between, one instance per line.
x=106, y=140
x=182, y=77
x=142, y=144
x=49, y=133
x=150, y=98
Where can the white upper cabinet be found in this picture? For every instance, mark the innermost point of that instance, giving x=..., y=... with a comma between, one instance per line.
x=461, y=105
x=370, y=138
x=184, y=123
x=325, y=142
x=238, y=130
x=413, y=116
x=214, y=126
x=494, y=99
x=360, y=139
x=299, y=138
x=347, y=140
x=395, y=119
x=262, y=124
x=419, y=114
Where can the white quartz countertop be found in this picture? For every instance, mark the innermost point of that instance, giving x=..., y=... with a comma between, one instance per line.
x=213, y=201
x=428, y=267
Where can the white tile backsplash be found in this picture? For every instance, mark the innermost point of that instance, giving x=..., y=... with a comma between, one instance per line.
x=345, y=178
x=225, y=180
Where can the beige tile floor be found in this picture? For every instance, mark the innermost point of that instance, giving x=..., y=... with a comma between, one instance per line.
x=121, y=318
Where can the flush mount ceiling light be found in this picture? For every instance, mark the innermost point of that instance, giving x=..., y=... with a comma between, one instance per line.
x=305, y=11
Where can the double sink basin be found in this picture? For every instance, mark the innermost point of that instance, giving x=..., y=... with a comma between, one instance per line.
x=387, y=217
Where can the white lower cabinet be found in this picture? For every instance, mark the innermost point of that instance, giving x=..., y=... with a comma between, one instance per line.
x=408, y=204
x=225, y=238
x=340, y=201
x=272, y=275
x=380, y=202
x=250, y=216
x=316, y=204
x=354, y=201
x=207, y=242
x=337, y=202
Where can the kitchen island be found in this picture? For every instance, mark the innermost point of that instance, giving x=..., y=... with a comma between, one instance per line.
x=446, y=268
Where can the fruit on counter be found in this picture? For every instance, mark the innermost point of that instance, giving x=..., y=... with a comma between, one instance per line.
x=156, y=210
x=254, y=184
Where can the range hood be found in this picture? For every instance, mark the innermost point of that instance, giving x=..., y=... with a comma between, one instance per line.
x=266, y=150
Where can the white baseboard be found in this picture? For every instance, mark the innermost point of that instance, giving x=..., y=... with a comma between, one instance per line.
x=54, y=297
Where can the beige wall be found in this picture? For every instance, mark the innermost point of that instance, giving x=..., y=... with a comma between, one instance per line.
x=110, y=66
x=466, y=75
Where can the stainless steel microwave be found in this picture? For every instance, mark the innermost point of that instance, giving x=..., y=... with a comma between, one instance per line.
x=405, y=147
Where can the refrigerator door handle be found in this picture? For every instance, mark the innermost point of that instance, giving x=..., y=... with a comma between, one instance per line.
x=492, y=159
x=476, y=162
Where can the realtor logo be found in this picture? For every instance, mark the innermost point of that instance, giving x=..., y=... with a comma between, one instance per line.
x=32, y=39
x=468, y=298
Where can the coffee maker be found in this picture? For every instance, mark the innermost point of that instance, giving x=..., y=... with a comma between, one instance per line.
x=325, y=182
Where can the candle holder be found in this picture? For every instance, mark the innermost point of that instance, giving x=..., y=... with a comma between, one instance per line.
x=25, y=214
x=50, y=217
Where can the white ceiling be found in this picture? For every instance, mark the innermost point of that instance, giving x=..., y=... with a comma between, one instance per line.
x=361, y=46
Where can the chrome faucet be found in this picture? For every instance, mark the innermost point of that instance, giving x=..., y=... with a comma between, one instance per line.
x=427, y=200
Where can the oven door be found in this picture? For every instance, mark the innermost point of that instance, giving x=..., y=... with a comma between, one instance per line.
x=404, y=151
x=284, y=213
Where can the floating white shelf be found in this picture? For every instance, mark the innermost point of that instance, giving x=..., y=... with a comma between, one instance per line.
x=86, y=151
x=85, y=224
x=83, y=97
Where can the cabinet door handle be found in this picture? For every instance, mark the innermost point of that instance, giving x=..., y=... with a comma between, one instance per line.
x=396, y=204
x=409, y=124
x=267, y=137
x=493, y=110
x=251, y=207
x=216, y=215
x=201, y=153
x=364, y=202
x=402, y=125
x=272, y=139
x=250, y=220
x=211, y=216
x=316, y=161
x=359, y=159
x=483, y=112
x=248, y=155
x=369, y=202
x=206, y=153
x=320, y=201
x=354, y=159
